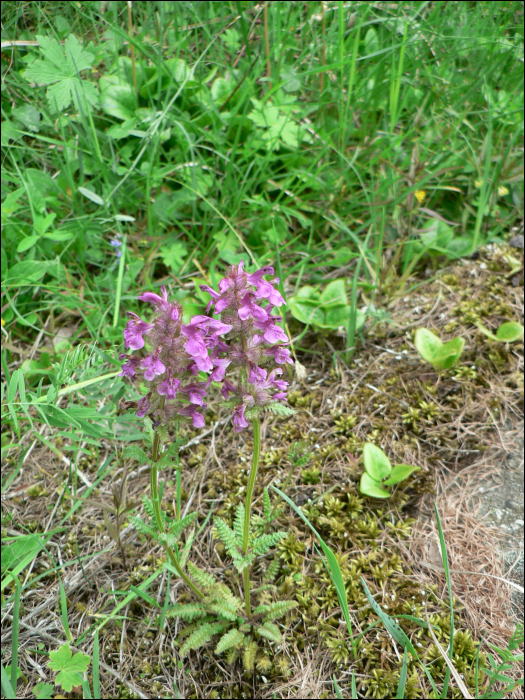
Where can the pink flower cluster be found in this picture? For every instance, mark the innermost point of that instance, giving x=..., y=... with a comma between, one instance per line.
x=254, y=339
x=246, y=337
x=179, y=352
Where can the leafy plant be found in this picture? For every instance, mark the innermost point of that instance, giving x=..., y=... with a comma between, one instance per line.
x=509, y=659
x=508, y=332
x=379, y=472
x=68, y=667
x=60, y=69
x=328, y=310
x=433, y=350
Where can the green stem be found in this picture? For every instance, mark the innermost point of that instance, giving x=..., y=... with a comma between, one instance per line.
x=248, y=507
x=158, y=517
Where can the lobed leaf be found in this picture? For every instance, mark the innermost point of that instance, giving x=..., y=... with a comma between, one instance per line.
x=201, y=636
x=231, y=639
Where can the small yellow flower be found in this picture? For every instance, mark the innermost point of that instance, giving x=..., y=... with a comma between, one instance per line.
x=3, y=323
x=421, y=196
x=478, y=183
x=502, y=191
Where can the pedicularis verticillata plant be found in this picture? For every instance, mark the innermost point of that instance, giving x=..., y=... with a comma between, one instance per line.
x=244, y=351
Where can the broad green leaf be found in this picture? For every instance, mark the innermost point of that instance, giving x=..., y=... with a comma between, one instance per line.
x=26, y=272
x=376, y=462
x=9, y=205
x=334, y=294
x=308, y=292
x=69, y=667
x=93, y=196
x=427, y=344
x=400, y=472
x=118, y=101
x=27, y=243
x=306, y=313
x=509, y=332
x=371, y=487
x=28, y=115
x=449, y=353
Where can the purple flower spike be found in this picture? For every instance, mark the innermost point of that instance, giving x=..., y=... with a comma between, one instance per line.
x=169, y=387
x=134, y=331
x=153, y=366
x=159, y=302
x=220, y=369
x=143, y=406
x=129, y=369
x=196, y=393
x=239, y=421
x=196, y=417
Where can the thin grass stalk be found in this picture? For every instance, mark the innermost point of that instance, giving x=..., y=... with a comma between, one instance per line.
x=396, y=83
x=267, y=47
x=483, y=196
x=130, y=28
x=158, y=517
x=351, y=81
x=248, y=507
x=323, y=47
x=444, y=557
x=14, y=639
x=350, y=331
x=96, y=666
x=120, y=279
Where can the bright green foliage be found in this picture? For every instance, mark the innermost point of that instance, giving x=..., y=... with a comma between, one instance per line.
x=270, y=631
x=61, y=73
x=69, y=667
x=168, y=457
x=174, y=527
x=188, y=611
x=134, y=452
x=249, y=654
x=272, y=570
x=280, y=408
x=433, y=350
x=379, y=472
x=262, y=544
x=43, y=691
x=231, y=639
x=203, y=578
x=279, y=609
x=238, y=523
x=507, y=333
x=201, y=636
x=231, y=543
x=327, y=310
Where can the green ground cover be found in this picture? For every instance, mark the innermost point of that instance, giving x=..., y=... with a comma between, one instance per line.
x=356, y=147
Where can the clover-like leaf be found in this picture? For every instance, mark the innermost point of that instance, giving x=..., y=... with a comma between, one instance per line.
x=509, y=332
x=69, y=667
x=433, y=350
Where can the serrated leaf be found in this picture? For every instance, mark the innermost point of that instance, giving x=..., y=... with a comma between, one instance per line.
x=280, y=408
x=60, y=70
x=203, y=578
x=249, y=654
x=267, y=506
x=262, y=544
x=69, y=667
x=238, y=524
x=270, y=631
x=201, y=636
x=134, y=452
x=188, y=611
x=230, y=639
x=279, y=609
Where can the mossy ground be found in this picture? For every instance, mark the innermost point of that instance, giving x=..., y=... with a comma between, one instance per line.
x=444, y=423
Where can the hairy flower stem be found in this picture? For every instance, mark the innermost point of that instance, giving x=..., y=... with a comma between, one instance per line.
x=158, y=517
x=248, y=508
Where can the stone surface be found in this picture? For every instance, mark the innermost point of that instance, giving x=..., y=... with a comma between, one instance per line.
x=503, y=507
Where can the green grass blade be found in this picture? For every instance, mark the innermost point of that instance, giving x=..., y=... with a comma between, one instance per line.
x=96, y=668
x=121, y=267
x=14, y=641
x=337, y=689
x=63, y=610
x=400, y=694
x=444, y=557
x=332, y=567
x=7, y=687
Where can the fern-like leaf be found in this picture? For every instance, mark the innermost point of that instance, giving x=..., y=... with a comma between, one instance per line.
x=134, y=452
x=231, y=639
x=280, y=408
x=249, y=654
x=261, y=609
x=201, y=636
x=167, y=458
x=272, y=570
x=279, y=609
x=265, y=542
x=227, y=537
x=270, y=631
x=148, y=507
x=238, y=525
x=223, y=599
x=203, y=578
x=143, y=527
x=189, y=611
x=177, y=526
